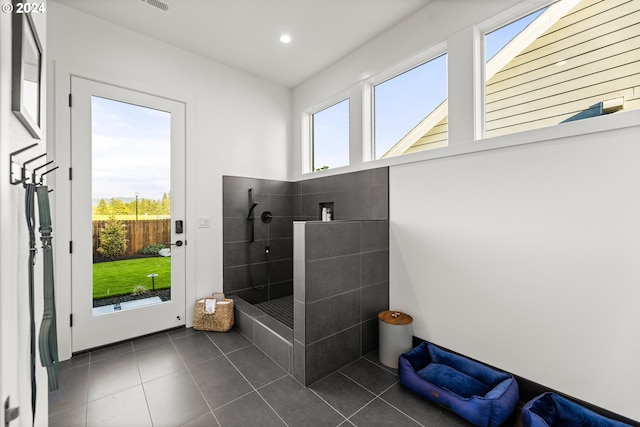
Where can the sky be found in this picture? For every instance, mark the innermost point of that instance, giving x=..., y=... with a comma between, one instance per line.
x=497, y=39
x=331, y=136
x=400, y=103
x=130, y=151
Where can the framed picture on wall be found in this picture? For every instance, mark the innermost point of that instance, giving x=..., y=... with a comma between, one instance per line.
x=27, y=85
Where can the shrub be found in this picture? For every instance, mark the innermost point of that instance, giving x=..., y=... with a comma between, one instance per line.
x=139, y=290
x=113, y=240
x=152, y=249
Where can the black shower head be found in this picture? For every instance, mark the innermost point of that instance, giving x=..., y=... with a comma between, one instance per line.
x=250, y=215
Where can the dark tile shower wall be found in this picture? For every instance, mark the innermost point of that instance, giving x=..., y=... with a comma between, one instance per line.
x=355, y=196
x=362, y=195
x=341, y=283
x=274, y=272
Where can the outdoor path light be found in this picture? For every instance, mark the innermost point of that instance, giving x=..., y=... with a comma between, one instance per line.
x=153, y=280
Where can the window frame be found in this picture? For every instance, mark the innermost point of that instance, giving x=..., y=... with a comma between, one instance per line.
x=414, y=61
x=469, y=74
x=307, y=126
x=481, y=29
x=494, y=23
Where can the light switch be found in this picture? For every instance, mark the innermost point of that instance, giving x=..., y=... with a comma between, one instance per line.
x=204, y=222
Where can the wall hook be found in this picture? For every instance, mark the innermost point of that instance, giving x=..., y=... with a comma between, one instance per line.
x=24, y=168
x=35, y=171
x=42, y=174
x=23, y=175
x=49, y=171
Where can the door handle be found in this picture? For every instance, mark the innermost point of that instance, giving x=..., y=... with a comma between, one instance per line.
x=177, y=243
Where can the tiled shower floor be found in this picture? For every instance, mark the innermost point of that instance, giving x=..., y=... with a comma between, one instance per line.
x=190, y=378
x=280, y=309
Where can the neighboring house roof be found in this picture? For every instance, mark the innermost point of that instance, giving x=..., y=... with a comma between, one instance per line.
x=521, y=92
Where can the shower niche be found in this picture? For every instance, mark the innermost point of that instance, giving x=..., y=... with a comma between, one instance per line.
x=326, y=211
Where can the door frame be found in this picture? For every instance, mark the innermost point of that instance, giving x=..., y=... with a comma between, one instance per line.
x=90, y=330
x=59, y=147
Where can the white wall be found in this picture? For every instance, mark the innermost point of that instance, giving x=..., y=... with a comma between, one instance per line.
x=15, y=377
x=237, y=124
x=527, y=258
x=520, y=251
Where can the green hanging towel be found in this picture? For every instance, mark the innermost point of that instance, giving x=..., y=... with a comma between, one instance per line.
x=48, y=338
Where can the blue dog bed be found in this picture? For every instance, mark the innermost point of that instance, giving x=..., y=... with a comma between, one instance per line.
x=551, y=409
x=481, y=395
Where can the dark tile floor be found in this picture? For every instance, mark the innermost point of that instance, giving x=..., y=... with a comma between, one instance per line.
x=190, y=378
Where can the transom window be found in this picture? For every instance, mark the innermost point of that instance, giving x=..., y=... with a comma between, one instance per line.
x=569, y=61
x=330, y=136
x=410, y=110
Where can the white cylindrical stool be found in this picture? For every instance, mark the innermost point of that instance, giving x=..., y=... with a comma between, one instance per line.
x=395, y=332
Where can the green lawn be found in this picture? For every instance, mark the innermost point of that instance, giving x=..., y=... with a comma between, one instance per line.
x=120, y=277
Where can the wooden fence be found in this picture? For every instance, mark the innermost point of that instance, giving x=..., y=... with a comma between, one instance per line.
x=139, y=234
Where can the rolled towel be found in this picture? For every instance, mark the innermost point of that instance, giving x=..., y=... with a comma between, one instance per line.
x=210, y=305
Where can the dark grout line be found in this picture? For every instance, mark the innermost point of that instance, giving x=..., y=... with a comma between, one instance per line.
x=260, y=391
x=247, y=380
x=330, y=405
x=193, y=378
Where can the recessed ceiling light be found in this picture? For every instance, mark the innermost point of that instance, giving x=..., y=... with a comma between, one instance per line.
x=561, y=63
x=285, y=38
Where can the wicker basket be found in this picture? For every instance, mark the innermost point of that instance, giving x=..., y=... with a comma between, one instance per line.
x=221, y=320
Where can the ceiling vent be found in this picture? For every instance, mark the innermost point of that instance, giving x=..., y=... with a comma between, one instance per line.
x=162, y=5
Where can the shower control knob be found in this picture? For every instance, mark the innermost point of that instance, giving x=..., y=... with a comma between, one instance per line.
x=266, y=217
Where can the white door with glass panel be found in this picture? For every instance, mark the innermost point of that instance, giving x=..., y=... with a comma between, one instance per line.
x=127, y=213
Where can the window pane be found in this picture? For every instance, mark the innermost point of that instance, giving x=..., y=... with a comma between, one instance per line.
x=410, y=111
x=562, y=63
x=331, y=137
x=499, y=38
x=131, y=198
